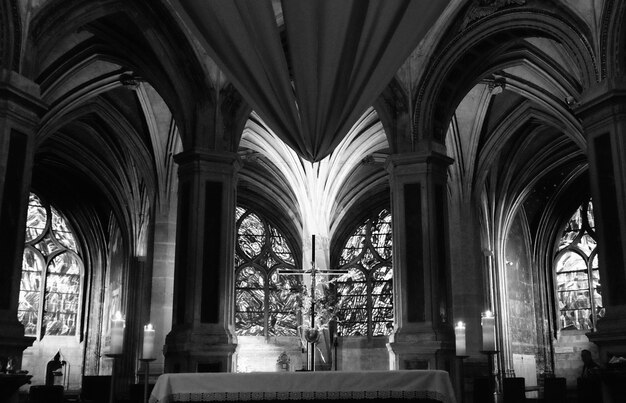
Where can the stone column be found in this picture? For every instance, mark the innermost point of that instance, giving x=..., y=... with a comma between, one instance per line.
x=162, y=296
x=20, y=109
x=203, y=333
x=603, y=114
x=423, y=334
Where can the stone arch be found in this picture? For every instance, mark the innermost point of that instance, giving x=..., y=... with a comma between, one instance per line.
x=10, y=35
x=392, y=107
x=444, y=82
x=126, y=193
x=235, y=113
x=613, y=39
x=507, y=130
x=159, y=52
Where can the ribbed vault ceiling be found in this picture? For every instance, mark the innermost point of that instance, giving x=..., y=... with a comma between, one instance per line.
x=117, y=142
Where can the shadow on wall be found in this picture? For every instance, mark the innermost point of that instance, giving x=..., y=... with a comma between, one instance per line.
x=36, y=357
x=567, y=361
x=354, y=353
x=258, y=354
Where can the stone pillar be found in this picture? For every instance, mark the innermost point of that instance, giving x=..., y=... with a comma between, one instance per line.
x=423, y=333
x=20, y=109
x=603, y=114
x=203, y=333
x=162, y=296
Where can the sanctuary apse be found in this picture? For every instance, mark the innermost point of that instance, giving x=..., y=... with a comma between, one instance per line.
x=172, y=159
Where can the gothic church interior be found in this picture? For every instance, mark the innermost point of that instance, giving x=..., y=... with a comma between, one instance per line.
x=190, y=163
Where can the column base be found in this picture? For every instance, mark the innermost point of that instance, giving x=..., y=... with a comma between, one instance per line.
x=610, y=336
x=12, y=340
x=420, y=350
x=200, y=350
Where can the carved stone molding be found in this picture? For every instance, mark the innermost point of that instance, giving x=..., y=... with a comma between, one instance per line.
x=483, y=8
x=10, y=35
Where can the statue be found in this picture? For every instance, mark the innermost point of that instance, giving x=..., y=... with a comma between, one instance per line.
x=52, y=367
x=283, y=364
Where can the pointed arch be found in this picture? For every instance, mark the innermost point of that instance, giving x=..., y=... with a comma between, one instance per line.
x=10, y=35
x=157, y=52
x=460, y=63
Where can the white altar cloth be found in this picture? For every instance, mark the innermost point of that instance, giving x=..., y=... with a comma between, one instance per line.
x=319, y=385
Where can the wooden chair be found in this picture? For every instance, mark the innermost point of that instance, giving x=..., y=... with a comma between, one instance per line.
x=45, y=394
x=513, y=390
x=95, y=389
x=483, y=391
x=589, y=390
x=554, y=390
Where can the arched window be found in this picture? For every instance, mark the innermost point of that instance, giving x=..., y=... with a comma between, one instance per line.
x=365, y=294
x=51, y=274
x=577, y=276
x=266, y=302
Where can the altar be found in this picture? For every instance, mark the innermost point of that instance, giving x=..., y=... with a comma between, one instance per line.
x=413, y=385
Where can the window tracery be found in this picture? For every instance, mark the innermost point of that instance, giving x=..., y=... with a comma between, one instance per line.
x=578, y=285
x=51, y=273
x=266, y=302
x=365, y=294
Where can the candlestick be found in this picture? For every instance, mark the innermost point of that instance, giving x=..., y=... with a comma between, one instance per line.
x=311, y=360
x=148, y=342
x=493, y=389
x=117, y=333
x=146, y=373
x=112, y=387
x=489, y=331
x=459, y=331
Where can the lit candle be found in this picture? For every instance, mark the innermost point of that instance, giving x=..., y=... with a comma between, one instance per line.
x=489, y=331
x=117, y=333
x=148, y=342
x=459, y=331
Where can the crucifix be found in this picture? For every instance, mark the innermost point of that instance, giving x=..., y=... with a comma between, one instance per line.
x=314, y=272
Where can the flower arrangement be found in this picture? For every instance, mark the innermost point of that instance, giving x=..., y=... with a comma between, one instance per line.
x=319, y=309
x=324, y=303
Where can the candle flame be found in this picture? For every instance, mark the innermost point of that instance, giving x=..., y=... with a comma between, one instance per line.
x=488, y=314
x=460, y=325
x=118, y=316
x=148, y=327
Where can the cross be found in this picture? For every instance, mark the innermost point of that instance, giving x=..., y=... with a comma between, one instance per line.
x=313, y=271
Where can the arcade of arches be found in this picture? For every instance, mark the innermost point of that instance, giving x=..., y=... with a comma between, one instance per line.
x=185, y=163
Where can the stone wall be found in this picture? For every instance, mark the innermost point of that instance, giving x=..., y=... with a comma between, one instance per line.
x=523, y=311
x=37, y=356
x=256, y=353
x=357, y=353
x=567, y=348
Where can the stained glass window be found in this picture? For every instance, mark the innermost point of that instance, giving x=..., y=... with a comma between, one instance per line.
x=365, y=294
x=577, y=276
x=51, y=273
x=266, y=301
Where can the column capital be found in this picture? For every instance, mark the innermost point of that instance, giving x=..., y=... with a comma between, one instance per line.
x=205, y=155
x=608, y=87
x=20, y=99
x=602, y=104
x=207, y=161
x=416, y=162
